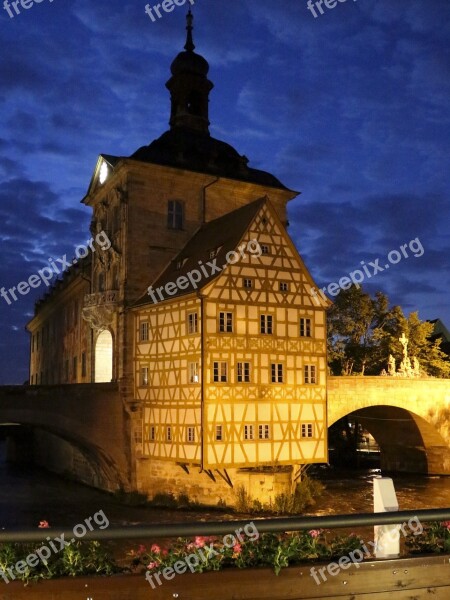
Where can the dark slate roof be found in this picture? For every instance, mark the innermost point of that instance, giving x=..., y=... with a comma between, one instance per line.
x=196, y=151
x=224, y=233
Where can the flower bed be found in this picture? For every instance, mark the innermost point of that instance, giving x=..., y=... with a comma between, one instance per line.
x=263, y=566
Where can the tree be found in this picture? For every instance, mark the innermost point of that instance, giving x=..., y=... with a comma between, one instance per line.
x=351, y=323
x=364, y=331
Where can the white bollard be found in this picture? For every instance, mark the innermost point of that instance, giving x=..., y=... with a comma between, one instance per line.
x=387, y=537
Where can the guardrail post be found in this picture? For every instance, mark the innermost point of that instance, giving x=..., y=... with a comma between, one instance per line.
x=386, y=537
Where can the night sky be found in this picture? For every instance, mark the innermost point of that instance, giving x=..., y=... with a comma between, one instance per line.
x=351, y=108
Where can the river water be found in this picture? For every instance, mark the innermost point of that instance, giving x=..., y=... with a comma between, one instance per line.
x=30, y=494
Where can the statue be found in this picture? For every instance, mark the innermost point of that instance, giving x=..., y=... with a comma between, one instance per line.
x=404, y=342
x=391, y=365
x=407, y=367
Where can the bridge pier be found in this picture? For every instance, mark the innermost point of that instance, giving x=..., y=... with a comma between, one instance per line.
x=396, y=458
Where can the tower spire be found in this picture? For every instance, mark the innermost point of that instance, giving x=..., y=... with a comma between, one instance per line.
x=189, y=87
x=189, y=46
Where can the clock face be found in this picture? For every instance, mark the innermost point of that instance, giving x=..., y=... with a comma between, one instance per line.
x=103, y=173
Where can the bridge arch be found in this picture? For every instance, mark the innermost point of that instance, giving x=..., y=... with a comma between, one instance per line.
x=78, y=429
x=55, y=451
x=409, y=418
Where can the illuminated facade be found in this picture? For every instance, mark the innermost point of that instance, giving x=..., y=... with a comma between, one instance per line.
x=233, y=373
x=223, y=379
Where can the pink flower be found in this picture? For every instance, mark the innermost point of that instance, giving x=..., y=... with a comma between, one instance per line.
x=200, y=541
x=43, y=525
x=155, y=549
x=237, y=549
x=314, y=533
x=446, y=524
x=152, y=566
x=164, y=552
x=141, y=549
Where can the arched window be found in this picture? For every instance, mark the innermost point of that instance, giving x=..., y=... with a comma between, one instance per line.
x=175, y=215
x=104, y=357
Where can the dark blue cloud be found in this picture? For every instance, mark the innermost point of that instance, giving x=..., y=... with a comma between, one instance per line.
x=350, y=108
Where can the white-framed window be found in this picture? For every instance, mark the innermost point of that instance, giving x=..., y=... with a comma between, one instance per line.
x=266, y=324
x=190, y=435
x=143, y=331
x=307, y=430
x=265, y=249
x=283, y=286
x=194, y=374
x=220, y=372
x=277, y=374
x=226, y=322
x=249, y=432
x=169, y=437
x=243, y=372
x=175, y=214
x=143, y=375
x=305, y=327
x=192, y=322
x=310, y=374
x=219, y=433
x=263, y=432
x=247, y=284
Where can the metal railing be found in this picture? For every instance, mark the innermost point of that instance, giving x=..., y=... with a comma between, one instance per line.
x=275, y=525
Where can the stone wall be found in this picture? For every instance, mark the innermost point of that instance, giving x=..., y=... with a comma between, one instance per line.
x=157, y=476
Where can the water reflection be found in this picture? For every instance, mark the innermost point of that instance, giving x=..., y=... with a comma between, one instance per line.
x=352, y=491
x=29, y=494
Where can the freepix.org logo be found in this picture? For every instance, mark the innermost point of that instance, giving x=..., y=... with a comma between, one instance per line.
x=53, y=546
x=47, y=274
x=167, y=6
x=25, y=4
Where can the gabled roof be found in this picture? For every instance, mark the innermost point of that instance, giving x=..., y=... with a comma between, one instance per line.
x=222, y=234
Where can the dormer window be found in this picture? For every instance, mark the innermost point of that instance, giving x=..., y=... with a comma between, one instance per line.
x=175, y=214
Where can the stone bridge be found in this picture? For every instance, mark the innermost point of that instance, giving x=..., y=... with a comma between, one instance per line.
x=81, y=430
x=84, y=430
x=409, y=418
